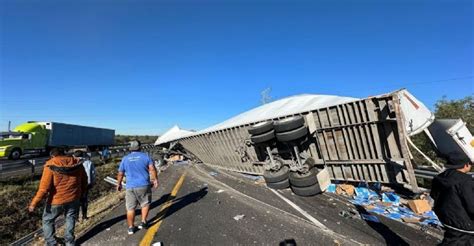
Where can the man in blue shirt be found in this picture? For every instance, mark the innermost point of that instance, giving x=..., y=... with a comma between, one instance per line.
x=137, y=168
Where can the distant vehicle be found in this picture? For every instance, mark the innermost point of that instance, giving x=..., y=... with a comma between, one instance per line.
x=39, y=137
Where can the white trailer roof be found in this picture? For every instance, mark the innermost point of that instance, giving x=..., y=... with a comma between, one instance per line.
x=172, y=134
x=417, y=116
x=283, y=107
x=286, y=106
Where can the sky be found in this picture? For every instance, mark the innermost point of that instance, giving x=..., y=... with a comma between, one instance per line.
x=141, y=67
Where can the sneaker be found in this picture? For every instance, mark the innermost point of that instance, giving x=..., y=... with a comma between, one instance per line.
x=131, y=230
x=143, y=225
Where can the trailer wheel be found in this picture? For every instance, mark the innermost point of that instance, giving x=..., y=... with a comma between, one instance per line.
x=292, y=135
x=15, y=154
x=307, y=191
x=276, y=176
x=264, y=137
x=288, y=124
x=279, y=185
x=304, y=179
x=261, y=127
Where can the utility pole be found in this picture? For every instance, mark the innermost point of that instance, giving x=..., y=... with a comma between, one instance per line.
x=265, y=96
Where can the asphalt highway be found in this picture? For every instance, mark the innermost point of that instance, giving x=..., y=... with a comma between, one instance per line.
x=197, y=205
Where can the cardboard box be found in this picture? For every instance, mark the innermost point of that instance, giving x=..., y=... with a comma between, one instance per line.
x=419, y=206
x=345, y=189
x=176, y=158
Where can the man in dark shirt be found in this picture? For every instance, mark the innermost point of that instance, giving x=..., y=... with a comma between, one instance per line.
x=453, y=193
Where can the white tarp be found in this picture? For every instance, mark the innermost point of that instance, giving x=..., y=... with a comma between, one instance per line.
x=172, y=134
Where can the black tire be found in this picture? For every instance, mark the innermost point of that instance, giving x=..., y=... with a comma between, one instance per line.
x=307, y=191
x=279, y=185
x=292, y=135
x=288, y=124
x=15, y=154
x=264, y=137
x=276, y=176
x=304, y=179
x=261, y=127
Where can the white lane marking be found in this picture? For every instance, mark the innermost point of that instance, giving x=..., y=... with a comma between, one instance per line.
x=299, y=209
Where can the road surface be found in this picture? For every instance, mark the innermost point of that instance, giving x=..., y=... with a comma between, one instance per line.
x=197, y=205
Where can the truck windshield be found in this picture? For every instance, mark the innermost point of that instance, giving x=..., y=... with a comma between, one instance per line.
x=13, y=135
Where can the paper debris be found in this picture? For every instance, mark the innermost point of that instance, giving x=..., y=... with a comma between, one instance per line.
x=419, y=206
x=345, y=189
x=239, y=217
x=370, y=217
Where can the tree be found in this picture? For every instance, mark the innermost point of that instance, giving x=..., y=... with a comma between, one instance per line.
x=455, y=109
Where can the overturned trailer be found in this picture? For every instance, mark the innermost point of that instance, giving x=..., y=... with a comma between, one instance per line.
x=290, y=140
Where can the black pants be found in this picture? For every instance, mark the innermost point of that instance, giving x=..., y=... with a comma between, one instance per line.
x=84, y=203
x=452, y=237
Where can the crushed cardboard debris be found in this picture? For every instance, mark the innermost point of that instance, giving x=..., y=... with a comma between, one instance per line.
x=419, y=206
x=346, y=189
x=390, y=198
x=239, y=217
x=387, y=204
x=176, y=158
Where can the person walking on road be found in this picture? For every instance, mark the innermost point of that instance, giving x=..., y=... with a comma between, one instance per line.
x=63, y=182
x=137, y=168
x=91, y=174
x=453, y=194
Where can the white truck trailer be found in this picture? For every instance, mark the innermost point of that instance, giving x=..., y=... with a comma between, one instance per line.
x=295, y=141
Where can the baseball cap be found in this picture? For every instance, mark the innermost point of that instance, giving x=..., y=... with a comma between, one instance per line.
x=135, y=145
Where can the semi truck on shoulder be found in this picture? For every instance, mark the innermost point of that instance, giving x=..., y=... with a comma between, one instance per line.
x=36, y=137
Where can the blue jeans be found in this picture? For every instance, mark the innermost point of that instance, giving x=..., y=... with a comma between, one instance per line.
x=51, y=213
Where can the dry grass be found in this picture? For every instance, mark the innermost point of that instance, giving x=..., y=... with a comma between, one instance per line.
x=16, y=194
x=97, y=211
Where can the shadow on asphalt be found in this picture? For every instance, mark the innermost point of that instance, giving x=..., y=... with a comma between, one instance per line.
x=391, y=238
x=288, y=242
x=109, y=223
x=176, y=206
x=180, y=203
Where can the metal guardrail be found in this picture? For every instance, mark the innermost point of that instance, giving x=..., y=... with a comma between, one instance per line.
x=426, y=174
x=429, y=173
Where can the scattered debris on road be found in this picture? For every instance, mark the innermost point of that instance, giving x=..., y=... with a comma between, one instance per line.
x=239, y=217
x=345, y=189
x=386, y=203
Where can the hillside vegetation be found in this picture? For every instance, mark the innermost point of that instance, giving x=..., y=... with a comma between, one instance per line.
x=144, y=139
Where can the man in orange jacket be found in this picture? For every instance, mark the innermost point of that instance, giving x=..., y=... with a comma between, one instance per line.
x=63, y=182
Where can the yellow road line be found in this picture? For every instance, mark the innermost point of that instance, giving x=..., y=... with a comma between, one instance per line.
x=150, y=234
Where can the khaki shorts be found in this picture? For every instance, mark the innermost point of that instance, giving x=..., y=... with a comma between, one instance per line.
x=136, y=196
